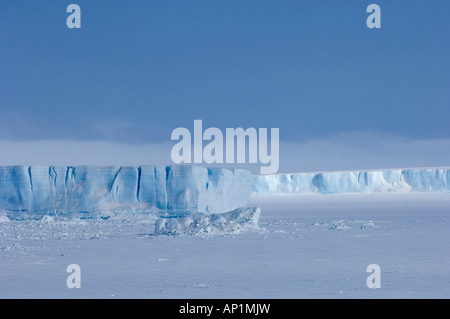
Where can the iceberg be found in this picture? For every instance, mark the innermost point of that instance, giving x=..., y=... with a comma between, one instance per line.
x=368, y=181
x=177, y=191
x=102, y=191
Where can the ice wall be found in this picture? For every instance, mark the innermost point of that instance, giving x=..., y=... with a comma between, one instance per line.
x=27, y=192
x=389, y=180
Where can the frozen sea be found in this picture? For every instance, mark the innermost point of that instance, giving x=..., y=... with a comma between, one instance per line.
x=307, y=246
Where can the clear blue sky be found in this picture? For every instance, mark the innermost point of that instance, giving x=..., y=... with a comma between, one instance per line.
x=138, y=69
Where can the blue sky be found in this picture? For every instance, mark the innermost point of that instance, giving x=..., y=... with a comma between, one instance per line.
x=138, y=69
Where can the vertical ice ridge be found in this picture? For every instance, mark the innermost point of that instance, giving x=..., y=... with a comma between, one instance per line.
x=138, y=187
x=53, y=175
x=30, y=178
x=52, y=184
x=155, y=189
x=114, y=179
x=166, y=187
x=66, y=177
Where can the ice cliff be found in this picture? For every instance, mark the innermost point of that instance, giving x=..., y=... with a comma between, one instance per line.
x=388, y=180
x=180, y=190
x=30, y=192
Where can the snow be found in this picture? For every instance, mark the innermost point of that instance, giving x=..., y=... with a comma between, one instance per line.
x=100, y=192
x=307, y=246
x=312, y=236
x=388, y=180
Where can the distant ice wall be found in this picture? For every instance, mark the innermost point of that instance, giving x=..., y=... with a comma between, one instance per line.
x=388, y=180
x=28, y=192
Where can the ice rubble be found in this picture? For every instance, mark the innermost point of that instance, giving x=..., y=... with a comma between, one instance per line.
x=4, y=218
x=200, y=223
x=387, y=180
x=90, y=191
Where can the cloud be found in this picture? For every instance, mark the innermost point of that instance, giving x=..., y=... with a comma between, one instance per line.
x=363, y=150
x=71, y=152
x=347, y=151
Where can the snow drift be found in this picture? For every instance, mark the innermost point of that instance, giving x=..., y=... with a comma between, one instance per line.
x=89, y=191
x=388, y=180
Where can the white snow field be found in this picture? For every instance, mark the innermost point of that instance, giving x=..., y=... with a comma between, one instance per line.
x=304, y=246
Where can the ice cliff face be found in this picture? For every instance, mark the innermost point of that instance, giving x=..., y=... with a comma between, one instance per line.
x=30, y=192
x=175, y=191
x=389, y=180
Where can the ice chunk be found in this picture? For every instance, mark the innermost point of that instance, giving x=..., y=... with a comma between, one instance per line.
x=88, y=191
x=200, y=223
x=388, y=180
x=4, y=218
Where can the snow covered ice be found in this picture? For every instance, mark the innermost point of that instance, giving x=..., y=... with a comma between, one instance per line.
x=90, y=191
x=307, y=246
x=312, y=235
x=388, y=180
x=200, y=223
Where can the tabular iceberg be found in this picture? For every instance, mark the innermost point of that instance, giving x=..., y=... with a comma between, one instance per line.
x=89, y=191
x=388, y=180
